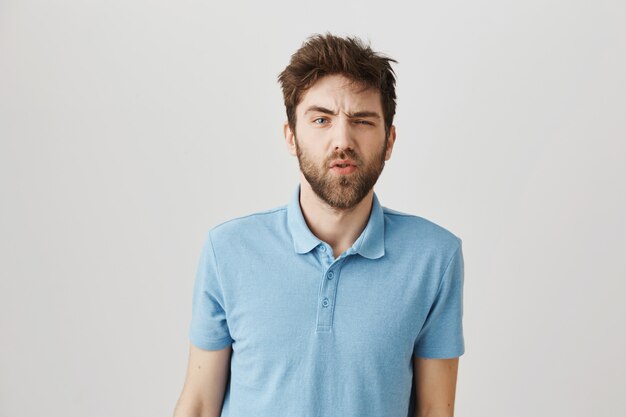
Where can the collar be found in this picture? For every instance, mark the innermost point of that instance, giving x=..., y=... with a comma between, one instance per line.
x=370, y=244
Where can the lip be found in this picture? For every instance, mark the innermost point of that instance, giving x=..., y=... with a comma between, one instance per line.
x=348, y=169
x=342, y=162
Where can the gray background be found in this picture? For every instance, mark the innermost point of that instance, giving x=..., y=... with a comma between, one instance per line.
x=128, y=128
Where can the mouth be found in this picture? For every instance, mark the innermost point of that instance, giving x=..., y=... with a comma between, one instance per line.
x=342, y=167
x=342, y=163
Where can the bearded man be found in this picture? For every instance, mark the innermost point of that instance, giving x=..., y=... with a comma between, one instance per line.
x=331, y=305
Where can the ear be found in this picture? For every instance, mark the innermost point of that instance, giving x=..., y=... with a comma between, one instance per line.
x=390, y=142
x=289, y=139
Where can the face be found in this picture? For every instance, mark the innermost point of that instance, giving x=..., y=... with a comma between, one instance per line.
x=340, y=140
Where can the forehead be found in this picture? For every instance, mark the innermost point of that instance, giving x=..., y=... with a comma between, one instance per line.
x=338, y=92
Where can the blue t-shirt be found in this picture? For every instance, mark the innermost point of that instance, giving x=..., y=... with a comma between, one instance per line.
x=318, y=336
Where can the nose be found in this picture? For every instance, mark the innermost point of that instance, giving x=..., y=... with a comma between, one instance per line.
x=342, y=134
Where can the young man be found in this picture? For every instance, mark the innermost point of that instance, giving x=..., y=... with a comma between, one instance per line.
x=331, y=305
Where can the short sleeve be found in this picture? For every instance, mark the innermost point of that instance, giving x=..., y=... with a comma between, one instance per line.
x=441, y=335
x=208, y=329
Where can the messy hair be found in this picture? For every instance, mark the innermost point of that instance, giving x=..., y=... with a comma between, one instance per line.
x=322, y=55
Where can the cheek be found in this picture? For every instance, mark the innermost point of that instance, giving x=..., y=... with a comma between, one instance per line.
x=309, y=144
x=313, y=155
x=375, y=153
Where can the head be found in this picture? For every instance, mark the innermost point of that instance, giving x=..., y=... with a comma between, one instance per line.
x=322, y=55
x=340, y=102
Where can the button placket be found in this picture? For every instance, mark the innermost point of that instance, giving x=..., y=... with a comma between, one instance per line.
x=326, y=300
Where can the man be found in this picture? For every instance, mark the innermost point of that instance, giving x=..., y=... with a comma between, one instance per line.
x=331, y=305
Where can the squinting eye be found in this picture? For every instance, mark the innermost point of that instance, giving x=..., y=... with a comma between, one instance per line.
x=363, y=122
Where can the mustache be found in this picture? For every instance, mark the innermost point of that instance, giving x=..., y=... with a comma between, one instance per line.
x=344, y=154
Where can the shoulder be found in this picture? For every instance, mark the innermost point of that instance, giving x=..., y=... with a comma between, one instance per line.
x=419, y=232
x=250, y=225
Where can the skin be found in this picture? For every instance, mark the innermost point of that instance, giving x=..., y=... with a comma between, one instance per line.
x=336, y=208
x=205, y=384
x=435, y=386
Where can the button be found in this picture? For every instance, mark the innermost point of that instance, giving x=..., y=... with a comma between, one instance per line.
x=325, y=302
x=330, y=275
x=323, y=248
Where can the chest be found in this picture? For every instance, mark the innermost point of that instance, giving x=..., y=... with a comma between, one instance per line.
x=353, y=301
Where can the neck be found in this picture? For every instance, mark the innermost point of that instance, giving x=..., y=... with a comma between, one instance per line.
x=340, y=228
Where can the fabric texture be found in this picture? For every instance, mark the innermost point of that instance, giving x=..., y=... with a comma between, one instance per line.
x=318, y=336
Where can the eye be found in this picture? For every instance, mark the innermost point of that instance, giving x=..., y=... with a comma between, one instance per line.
x=363, y=122
x=319, y=120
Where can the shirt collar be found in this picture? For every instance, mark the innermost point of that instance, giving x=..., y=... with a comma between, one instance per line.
x=370, y=244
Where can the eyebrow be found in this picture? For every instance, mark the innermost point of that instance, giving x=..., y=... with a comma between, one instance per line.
x=324, y=110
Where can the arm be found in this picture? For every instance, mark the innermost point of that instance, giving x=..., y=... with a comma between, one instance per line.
x=435, y=386
x=205, y=384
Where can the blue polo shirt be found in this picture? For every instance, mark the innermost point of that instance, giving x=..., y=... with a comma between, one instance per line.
x=318, y=336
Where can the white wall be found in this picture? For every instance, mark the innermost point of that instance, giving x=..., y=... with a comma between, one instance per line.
x=128, y=128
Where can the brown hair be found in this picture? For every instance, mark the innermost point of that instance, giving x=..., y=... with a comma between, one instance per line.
x=322, y=55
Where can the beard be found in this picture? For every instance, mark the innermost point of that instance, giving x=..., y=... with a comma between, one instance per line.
x=342, y=191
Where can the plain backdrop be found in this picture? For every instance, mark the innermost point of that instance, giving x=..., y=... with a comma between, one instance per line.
x=128, y=128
